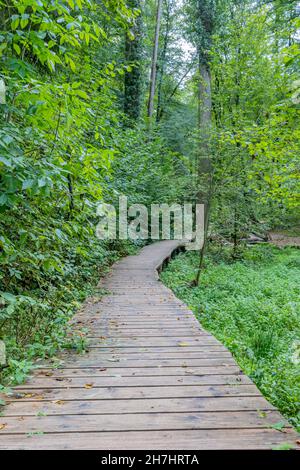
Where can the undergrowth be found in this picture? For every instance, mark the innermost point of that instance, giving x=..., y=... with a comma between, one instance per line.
x=37, y=322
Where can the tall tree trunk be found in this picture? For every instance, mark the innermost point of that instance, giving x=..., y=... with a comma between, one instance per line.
x=132, y=80
x=154, y=60
x=205, y=13
x=205, y=114
x=205, y=100
x=163, y=61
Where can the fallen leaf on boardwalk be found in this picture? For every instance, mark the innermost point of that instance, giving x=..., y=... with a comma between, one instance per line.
x=183, y=344
x=2, y=426
x=29, y=395
x=89, y=385
x=39, y=397
x=103, y=369
x=278, y=426
x=47, y=374
x=284, y=446
x=58, y=402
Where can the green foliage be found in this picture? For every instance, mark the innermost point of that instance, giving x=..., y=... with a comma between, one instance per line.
x=252, y=306
x=56, y=153
x=64, y=150
x=148, y=171
x=256, y=105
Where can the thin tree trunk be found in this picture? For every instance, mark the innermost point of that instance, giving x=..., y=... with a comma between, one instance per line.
x=205, y=102
x=195, y=283
x=132, y=79
x=204, y=124
x=205, y=176
x=163, y=63
x=168, y=99
x=154, y=60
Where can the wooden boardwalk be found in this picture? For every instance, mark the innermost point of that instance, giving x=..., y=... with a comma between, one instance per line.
x=152, y=379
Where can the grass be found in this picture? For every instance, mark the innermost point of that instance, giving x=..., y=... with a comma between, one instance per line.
x=253, y=307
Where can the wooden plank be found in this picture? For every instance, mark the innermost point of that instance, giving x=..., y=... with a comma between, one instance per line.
x=149, y=342
x=208, y=379
x=153, y=353
x=140, y=422
x=200, y=350
x=158, y=405
x=251, y=439
x=154, y=363
x=133, y=381
x=115, y=393
x=123, y=371
x=115, y=332
x=94, y=336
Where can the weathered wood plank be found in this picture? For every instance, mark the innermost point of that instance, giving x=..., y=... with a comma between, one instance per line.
x=140, y=354
x=143, y=332
x=121, y=406
x=115, y=393
x=200, y=349
x=251, y=439
x=140, y=422
x=123, y=371
x=119, y=381
x=173, y=362
x=149, y=342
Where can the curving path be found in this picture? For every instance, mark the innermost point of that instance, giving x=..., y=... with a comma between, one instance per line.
x=152, y=379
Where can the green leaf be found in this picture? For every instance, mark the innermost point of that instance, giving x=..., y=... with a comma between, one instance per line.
x=28, y=184
x=284, y=446
x=8, y=296
x=278, y=426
